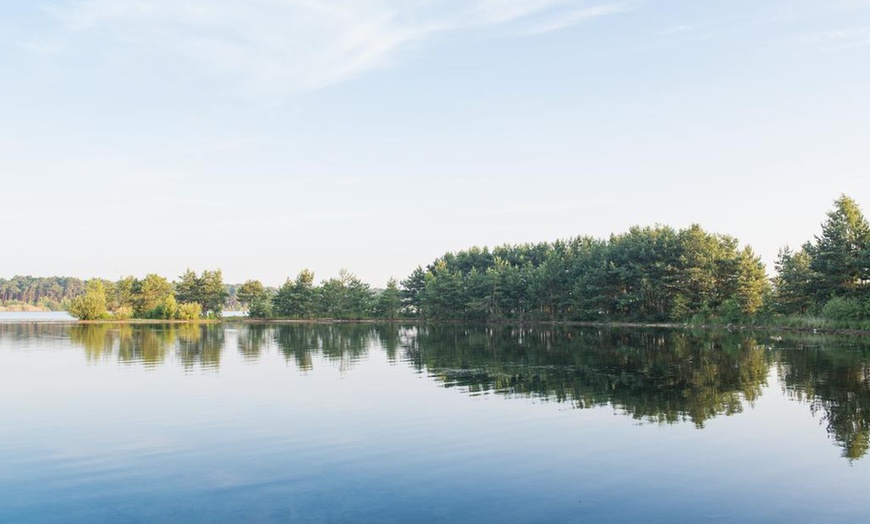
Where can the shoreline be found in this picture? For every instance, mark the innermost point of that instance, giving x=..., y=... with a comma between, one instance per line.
x=546, y=323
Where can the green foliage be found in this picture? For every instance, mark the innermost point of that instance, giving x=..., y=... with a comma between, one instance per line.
x=296, y=299
x=345, y=297
x=793, y=282
x=149, y=293
x=188, y=311
x=831, y=274
x=411, y=292
x=260, y=307
x=91, y=305
x=122, y=313
x=647, y=274
x=254, y=296
x=389, y=301
x=731, y=311
x=122, y=294
x=207, y=290
x=842, y=308
x=168, y=310
x=837, y=258
x=36, y=290
x=250, y=291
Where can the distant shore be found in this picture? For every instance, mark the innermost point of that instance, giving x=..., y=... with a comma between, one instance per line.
x=630, y=325
x=24, y=308
x=604, y=325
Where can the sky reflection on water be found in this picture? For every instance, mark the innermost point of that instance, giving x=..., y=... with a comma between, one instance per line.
x=367, y=423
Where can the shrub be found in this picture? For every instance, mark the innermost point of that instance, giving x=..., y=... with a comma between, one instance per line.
x=261, y=307
x=123, y=313
x=730, y=311
x=91, y=305
x=839, y=308
x=189, y=311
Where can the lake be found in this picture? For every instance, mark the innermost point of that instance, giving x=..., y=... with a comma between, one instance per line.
x=383, y=423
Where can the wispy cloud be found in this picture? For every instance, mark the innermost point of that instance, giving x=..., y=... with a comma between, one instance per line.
x=575, y=17
x=844, y=38
x=40, y=48
x=292, y=46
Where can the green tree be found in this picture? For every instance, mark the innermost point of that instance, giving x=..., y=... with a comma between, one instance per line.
x=213, y=292
x=792, y=284
x=389, y=301
x=412, y=291
x=149, y=293
x=123, y=295
x=188, y=287
x=250, y=291
x=91, y=305
x=345, y=297
x=751, y=283
x=838, y=256
x=296, y=298
x=207, y=290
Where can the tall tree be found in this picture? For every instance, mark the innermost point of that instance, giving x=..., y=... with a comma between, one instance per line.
x=250, y=291
x=207, y=290
x=389, y=301
x=296, y=298
x=149, y=293
x=792, y=284
x=838, y=256
x=413, y=289
x=751, y=283
x=213, y=293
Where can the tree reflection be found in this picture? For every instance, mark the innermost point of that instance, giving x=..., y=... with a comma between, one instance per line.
x=835, y=380
x=344, y=344
x=25, y=334
x=150, y=345
x=147, y=346
x=252, y=338
x=96, y=339
x=652, y=375
x=200, y=344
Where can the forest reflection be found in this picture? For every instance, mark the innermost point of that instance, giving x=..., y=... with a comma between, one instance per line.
x=193, y=344
x=651, y=375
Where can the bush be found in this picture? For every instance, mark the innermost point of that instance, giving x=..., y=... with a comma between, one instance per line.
x=168, y=310
x=730, y=311
x=261, y=307
x=189, y=311
x=839, y=308
x=91, y=305
x=123, y=313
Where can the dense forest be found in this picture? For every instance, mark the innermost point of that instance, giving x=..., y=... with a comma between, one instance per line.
x=648, y=274
x=52, y=293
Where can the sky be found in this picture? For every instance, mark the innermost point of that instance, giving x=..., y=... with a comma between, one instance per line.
x=262, y=137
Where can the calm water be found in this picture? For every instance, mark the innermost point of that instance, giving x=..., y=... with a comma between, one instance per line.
x=363, y=423
x=39, y=316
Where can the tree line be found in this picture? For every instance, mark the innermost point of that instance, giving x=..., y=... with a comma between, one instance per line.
x=152, y=297
x=48, y=292
x=829, y=275
x=653, y=274
x=648, y=274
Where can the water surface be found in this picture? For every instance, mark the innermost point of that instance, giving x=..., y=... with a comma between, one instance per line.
x=368, y=423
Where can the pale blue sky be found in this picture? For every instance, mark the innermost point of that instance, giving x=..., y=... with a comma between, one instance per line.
x=266, y=136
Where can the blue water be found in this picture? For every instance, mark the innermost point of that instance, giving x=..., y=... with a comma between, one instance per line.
x=339, y=423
